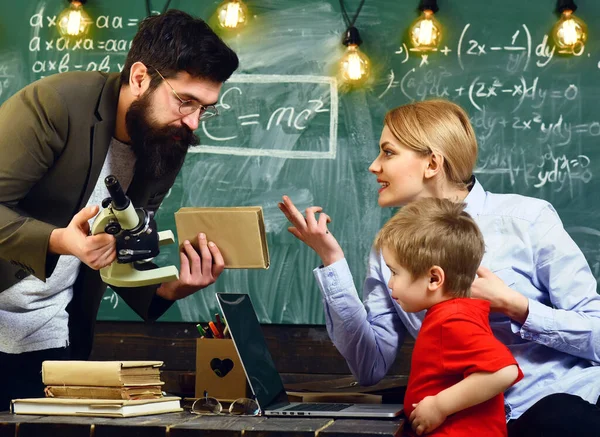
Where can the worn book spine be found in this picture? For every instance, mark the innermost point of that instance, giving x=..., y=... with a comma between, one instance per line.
x=82, y=392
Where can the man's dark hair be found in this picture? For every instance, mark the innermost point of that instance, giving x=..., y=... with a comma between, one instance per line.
x=175, y=41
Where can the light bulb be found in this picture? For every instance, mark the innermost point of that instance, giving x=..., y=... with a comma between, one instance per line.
x=73, y=21
x=232, y=14
x=355, y=65
x=425, y=32
x=569, y=33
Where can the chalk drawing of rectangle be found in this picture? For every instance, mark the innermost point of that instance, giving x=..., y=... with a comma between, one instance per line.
x=278, y=153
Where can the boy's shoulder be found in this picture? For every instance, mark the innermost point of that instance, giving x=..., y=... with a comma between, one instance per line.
x=458, y=316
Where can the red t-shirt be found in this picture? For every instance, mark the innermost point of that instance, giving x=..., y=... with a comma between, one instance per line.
x=455, y=341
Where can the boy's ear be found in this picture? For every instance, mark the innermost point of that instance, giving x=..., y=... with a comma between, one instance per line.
x=434, y=165
x=437, y=278
x=139, y=79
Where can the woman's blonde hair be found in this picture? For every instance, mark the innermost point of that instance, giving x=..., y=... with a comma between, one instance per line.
x=441, y=127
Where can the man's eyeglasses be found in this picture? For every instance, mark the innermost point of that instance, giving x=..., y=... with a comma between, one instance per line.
x=239, y=407
x=187, y=107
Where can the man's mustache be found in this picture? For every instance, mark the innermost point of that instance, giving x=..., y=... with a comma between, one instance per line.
x=181, y=134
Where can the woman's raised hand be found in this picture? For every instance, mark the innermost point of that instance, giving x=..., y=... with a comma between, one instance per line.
x=312, y=231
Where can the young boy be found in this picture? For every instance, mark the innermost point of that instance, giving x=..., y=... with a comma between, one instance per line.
x=459, y=370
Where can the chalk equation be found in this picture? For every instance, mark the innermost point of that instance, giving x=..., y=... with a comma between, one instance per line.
x=440, y=82
x=55, y=54
x=39, y=21
x=519, y=45
x=279, y=116
x=559, y=171
x=557, y=131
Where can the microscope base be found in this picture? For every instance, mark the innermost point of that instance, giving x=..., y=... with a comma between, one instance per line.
x=126, y=275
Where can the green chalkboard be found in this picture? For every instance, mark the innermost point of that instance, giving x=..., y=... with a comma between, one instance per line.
x=287, y=128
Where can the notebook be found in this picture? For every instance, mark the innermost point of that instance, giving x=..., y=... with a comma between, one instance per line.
x=95, y=407
x=265, y=381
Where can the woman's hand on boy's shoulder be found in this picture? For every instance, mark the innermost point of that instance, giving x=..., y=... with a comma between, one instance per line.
x=502, y=298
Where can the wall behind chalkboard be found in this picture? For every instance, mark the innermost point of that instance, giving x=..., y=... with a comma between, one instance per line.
x=287, y=128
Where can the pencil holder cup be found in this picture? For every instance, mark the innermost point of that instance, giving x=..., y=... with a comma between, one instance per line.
x=219, y=370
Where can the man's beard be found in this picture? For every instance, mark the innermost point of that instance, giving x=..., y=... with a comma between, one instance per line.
x=159, y=150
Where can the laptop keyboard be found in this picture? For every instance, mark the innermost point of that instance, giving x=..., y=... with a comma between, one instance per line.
x=319, y=407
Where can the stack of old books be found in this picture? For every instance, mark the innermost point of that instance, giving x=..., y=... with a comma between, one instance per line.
x=100, y=388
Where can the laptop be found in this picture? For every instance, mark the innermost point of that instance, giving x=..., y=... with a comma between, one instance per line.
x=265, y=381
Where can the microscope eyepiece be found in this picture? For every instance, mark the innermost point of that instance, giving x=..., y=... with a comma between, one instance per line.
x=120, y=201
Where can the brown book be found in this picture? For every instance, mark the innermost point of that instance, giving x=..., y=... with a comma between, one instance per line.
x=238, y=232
x=95, y=407
x=101, y=373
x=87, y=392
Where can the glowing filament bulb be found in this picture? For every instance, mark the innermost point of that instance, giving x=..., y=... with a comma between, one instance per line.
x=355, y=65
x=569, y=33
x=73, y=21
x=232, y=14
x=425, y=32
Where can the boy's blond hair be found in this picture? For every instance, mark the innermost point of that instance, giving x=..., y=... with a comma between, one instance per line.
x=438, y=126
x=438, y=232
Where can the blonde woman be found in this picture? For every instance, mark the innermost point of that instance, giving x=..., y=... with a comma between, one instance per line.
x=538, y=283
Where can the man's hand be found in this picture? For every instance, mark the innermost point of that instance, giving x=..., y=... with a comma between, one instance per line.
x=96, y=251
x=196, y=272
x=426, y=416
x=502, y=298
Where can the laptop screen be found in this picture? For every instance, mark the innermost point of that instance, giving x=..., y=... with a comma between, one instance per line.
x=252, y=348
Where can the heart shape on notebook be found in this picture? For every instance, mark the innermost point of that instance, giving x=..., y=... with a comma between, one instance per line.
x=221, y=367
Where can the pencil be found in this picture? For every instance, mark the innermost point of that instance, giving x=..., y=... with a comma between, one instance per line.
x=218, y=323
x=214, y=329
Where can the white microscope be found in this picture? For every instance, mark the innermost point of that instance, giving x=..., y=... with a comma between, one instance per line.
x=137, y=241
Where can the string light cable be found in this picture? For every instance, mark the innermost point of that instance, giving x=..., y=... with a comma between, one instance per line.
x=149, y=8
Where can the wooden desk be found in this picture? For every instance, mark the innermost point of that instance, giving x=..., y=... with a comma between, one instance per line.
x=185, y=424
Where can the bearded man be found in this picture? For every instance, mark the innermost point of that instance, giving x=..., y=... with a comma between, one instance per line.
x=59, y=138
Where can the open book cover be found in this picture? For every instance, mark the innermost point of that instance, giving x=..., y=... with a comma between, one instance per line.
x=95, y=407
x=238, y=232
x=101, y=373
